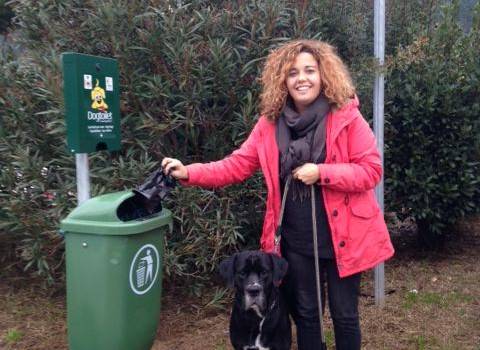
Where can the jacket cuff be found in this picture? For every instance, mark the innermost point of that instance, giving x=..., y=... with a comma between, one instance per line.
x=188, y=180
x=324, y=176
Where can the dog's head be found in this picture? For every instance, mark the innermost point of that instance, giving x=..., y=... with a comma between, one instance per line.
x=254, y=274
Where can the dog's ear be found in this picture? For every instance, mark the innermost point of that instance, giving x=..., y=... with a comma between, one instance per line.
x=227, y=270
x=280, y=267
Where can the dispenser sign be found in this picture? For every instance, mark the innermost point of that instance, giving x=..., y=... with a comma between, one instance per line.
x=100, y=114
x=92, y=102
x=144, y=269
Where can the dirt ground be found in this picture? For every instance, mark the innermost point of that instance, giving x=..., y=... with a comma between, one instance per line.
x=432, y=302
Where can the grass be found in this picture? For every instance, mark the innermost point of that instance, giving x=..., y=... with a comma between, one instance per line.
x=443, y=300
x=329, y=338
x=13, y=335
x=420, y=342
x=30, y=318
x=222, y=346
x=218, y=299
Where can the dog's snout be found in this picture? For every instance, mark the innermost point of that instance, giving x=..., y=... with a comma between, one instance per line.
x=254, y=289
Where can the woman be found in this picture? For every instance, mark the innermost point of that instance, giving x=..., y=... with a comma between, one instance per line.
x=310, y=129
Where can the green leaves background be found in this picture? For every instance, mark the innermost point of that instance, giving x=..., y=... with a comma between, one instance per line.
x=189, y=89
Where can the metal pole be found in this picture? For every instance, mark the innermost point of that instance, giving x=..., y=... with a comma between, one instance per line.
x=83, y=177
x=378, y=121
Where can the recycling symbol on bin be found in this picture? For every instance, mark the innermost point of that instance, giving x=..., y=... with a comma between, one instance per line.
x=144, y=269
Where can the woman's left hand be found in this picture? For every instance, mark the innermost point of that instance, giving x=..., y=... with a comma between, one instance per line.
x=307, y=173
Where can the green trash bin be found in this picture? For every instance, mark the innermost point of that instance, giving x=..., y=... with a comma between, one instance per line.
x=114, y=273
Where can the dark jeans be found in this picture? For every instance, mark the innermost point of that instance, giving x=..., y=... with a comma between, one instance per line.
x=300, y=292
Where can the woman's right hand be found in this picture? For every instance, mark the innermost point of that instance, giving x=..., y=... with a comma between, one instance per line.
x=175, y=168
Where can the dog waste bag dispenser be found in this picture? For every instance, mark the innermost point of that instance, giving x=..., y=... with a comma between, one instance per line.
x=114, y=273
x=92, y=102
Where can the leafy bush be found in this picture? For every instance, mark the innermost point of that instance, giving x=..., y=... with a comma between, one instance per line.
x=189, y=89
x=433, y=94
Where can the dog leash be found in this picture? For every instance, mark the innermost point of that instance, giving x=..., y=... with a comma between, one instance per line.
x=278, y=232
x=317, y=268
x=278, y=236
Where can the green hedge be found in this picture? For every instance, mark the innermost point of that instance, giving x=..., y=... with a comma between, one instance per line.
x=433, y=109
x=189, y=89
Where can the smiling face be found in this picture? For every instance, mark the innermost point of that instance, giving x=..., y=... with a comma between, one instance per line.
x=303, y=81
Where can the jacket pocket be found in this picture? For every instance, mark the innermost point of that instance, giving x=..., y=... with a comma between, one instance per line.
x=364, y=207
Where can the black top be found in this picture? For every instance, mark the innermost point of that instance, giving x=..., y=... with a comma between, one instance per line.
x=297, y=225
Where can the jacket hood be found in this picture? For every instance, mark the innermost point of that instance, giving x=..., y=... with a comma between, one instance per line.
x=346, y=112
x=342, y=117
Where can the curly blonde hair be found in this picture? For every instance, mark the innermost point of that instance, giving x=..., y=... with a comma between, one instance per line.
x=337, y=84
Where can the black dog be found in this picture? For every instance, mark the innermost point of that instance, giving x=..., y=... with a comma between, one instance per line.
x=259, y=318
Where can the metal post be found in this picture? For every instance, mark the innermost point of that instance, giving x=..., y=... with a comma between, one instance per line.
x=378, y=121
x=83, y=177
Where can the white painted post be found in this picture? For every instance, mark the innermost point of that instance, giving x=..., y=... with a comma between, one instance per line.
x=378, y=121
x=83, y=177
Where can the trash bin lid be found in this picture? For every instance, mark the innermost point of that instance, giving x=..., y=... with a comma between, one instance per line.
x=98, y=215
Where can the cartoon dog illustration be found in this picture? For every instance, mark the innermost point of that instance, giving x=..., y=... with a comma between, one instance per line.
x=98, y=96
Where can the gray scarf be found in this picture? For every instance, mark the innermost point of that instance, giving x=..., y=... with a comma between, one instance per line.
x=301, y=139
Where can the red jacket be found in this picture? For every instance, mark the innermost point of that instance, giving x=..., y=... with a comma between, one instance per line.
x=351, y=170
